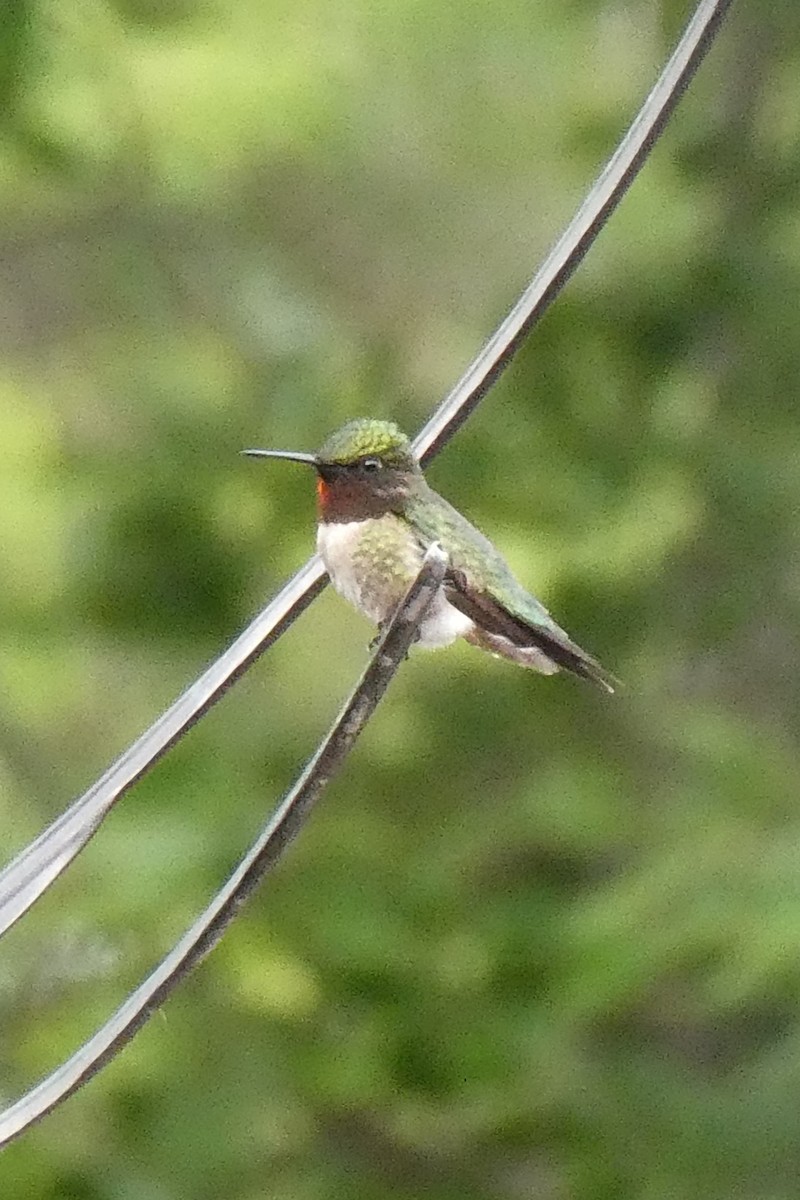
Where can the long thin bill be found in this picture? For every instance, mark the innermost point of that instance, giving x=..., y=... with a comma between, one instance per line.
x=292, y=455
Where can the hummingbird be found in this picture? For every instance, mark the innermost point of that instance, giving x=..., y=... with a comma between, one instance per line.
x=377, y=516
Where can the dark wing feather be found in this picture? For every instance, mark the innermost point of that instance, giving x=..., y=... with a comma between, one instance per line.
x=519, y=618
x=488, y=613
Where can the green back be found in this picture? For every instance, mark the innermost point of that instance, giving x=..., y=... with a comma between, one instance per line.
x=434, y=519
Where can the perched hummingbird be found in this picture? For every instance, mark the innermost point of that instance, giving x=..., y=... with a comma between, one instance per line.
x=377, y=516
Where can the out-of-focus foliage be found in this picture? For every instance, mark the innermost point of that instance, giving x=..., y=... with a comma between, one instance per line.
x=537, y=942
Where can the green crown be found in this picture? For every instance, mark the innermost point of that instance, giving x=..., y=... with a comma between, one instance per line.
x=366, y=436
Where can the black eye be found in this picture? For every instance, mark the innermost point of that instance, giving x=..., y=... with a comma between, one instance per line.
x=371, y=464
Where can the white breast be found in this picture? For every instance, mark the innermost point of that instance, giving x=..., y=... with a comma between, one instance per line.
x=337, y=543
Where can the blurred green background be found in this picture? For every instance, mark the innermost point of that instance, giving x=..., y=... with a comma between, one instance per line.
x=537, y=942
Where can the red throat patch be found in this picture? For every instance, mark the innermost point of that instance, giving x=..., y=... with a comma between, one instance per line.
x=323, y=494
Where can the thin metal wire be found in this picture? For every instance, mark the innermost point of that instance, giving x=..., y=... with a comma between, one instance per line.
x=279, y=831
x=33, y=871
x=568, y=252
x=29, y=875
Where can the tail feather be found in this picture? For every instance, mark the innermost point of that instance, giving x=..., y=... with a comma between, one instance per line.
x=562, y=650
x=545, y=648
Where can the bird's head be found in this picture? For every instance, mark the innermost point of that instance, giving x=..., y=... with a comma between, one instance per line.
x=365, y=469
